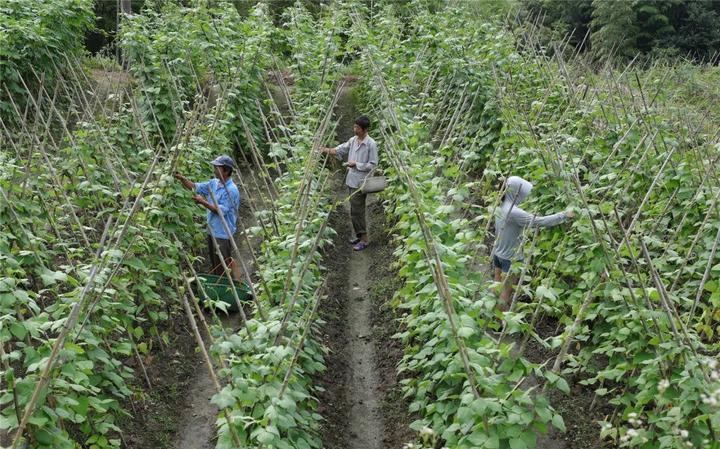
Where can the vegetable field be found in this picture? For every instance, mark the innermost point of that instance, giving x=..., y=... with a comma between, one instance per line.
x=611, y=336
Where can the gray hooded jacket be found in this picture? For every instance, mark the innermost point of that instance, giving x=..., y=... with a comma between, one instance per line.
x=510, y=220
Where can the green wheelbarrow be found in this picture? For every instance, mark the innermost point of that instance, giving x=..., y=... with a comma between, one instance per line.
x=219, y=289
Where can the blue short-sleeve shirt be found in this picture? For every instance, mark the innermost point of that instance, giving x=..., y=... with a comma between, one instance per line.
x=228, y=202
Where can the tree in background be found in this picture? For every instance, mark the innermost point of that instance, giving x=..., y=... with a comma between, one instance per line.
x=563, y=17
x=102, y=37
x=697, y=26
x=624, y=28
x=614, y=31
x=652, y=19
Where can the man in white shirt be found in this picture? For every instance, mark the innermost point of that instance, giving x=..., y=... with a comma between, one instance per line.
x=361, y=155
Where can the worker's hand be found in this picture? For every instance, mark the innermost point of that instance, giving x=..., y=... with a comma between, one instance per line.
x=198, y=199
x=177, y=175
x=351, y=163
x=570, y=214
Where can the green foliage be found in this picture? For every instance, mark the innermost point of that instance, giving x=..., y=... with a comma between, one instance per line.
x=562, y=18
x=456, y=104
x=37, y=35
x=551, y=133
x=697, y=32
x=653, y=22
x=436, y=152
x=269, y=396
x=621, y=29
x=614, y=29
x=629, y=351
x=178, y=52
x=65, y=191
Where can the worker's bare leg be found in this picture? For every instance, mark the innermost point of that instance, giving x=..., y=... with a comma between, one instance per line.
x=235, y=268
x=499, y=278
x=507, y=290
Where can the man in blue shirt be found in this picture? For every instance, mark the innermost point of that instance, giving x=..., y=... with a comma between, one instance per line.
x=228, y=202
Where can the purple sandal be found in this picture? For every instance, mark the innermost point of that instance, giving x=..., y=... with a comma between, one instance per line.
x=360, y=246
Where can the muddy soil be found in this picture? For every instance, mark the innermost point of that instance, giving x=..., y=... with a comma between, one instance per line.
x=361, y=401
x=365, y=421
x=334, y=405
x=155, y=414
x=581, y=408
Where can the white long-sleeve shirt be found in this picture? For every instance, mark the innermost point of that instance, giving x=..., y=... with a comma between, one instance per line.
x=365, y=155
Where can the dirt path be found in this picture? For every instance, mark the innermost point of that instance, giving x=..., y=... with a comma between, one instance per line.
x=361, y=401
x=196, y=418
x=196, y=429
x=365, y=422
x=360, y=379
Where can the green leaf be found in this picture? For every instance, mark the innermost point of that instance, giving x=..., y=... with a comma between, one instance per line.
x=44, y=437
x=558, y=422
x=136, y=263
x=517, y=443
x=82, y=407
x=562, y=385
x=529, y=438
x=18, y=330
x=493, y=442
x=84, y=365
x=224, y=398
x=50, y=278
x=543, y=292
x=264, y=437
x=465, y=332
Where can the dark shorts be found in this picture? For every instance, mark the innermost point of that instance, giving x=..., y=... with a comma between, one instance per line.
x=503, y=264
x=226, y=250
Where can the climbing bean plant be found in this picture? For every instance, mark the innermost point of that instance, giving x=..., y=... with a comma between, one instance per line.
x=271, y=364
x=628, y=280
x=460, y=379
x=94, y=228
x=37, y=35
x=638, y=308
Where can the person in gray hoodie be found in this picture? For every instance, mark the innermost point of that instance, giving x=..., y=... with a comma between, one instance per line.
x=510, y=221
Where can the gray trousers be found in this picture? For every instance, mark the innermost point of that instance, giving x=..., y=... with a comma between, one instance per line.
x=357, y=211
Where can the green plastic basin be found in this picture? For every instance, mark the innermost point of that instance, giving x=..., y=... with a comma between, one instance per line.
x=218, y=288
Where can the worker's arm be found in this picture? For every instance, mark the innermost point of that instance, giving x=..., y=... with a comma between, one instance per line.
x=203, y=202
x=184, y=181
x=525, y=219
x=341, y=151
